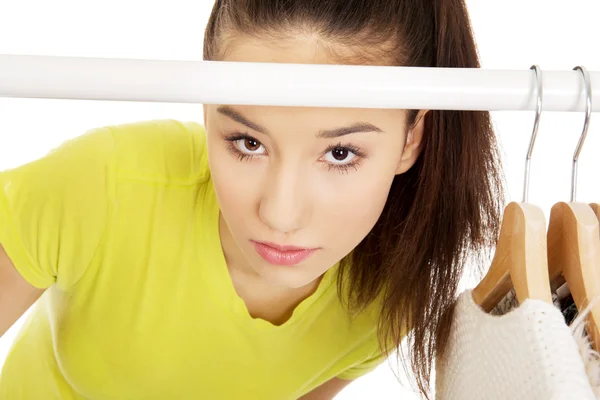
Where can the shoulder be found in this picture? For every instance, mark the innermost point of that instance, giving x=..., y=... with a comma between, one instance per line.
x=161, y=150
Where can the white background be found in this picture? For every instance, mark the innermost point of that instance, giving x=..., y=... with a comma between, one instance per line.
x=557, y=35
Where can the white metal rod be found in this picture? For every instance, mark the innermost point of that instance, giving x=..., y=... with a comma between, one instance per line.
x=209, y=82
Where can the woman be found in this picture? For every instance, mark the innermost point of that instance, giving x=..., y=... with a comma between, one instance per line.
x=276, y=253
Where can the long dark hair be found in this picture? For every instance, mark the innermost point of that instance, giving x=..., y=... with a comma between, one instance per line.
x=445, y=210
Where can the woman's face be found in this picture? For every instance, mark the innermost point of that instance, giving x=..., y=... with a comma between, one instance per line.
x=299, y=188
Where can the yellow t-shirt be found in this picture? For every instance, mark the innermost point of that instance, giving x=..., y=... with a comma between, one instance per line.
x=121, y=224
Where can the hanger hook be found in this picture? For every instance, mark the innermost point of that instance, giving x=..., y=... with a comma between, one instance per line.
x=586, y=125
x=538, y=114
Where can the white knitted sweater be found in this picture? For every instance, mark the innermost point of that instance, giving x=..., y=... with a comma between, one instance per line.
x=527, y=354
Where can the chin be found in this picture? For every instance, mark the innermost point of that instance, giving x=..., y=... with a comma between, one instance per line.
x=293, y=277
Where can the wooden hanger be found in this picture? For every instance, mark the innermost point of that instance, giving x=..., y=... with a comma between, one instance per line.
x=520, y=259
x=574, y=256
x=574, y=243
x=596, y=208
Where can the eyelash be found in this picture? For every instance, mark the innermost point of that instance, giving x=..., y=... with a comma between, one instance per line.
x=356, y=161
x=231, y=139
x=341, y=168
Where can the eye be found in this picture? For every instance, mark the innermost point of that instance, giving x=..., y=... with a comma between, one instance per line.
x=250, y=146
x=339, y=155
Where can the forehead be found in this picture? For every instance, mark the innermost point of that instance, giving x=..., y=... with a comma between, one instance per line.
x=302, y=50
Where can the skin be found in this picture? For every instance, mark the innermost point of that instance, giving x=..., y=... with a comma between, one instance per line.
x=292, y=190
x=277, y=181
x=16, y=294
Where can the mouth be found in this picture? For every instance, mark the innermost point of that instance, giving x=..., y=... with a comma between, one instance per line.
x=282, y=255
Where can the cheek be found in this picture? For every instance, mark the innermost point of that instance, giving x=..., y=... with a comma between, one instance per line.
x=348, y=218
x=236, y=191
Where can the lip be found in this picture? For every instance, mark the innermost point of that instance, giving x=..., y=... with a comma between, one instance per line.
x=282, y=255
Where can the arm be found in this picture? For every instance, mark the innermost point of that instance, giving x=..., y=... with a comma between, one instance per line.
x=16, y=295
x=326, y=391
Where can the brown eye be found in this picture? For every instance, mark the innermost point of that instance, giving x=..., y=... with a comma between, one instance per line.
x=339, y=154
x=250, y=146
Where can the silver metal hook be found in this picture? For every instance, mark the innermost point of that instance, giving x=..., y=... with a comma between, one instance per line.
x=588, y=114
x=538, y=114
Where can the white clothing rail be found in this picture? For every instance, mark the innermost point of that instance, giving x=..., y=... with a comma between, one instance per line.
x=291, y=84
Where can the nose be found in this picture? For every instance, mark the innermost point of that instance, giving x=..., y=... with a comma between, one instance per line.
x=283, y=205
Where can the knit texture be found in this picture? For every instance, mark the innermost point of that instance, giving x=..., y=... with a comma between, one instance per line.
x=591, y=358
x=527, y=354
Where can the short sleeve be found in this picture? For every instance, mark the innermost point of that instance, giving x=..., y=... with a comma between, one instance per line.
x=363, y=368
x=53, y=211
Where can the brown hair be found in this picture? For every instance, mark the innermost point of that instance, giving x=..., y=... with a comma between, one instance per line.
x=443, y=212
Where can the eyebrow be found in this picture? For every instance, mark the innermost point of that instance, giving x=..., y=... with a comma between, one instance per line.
x=323, y=134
